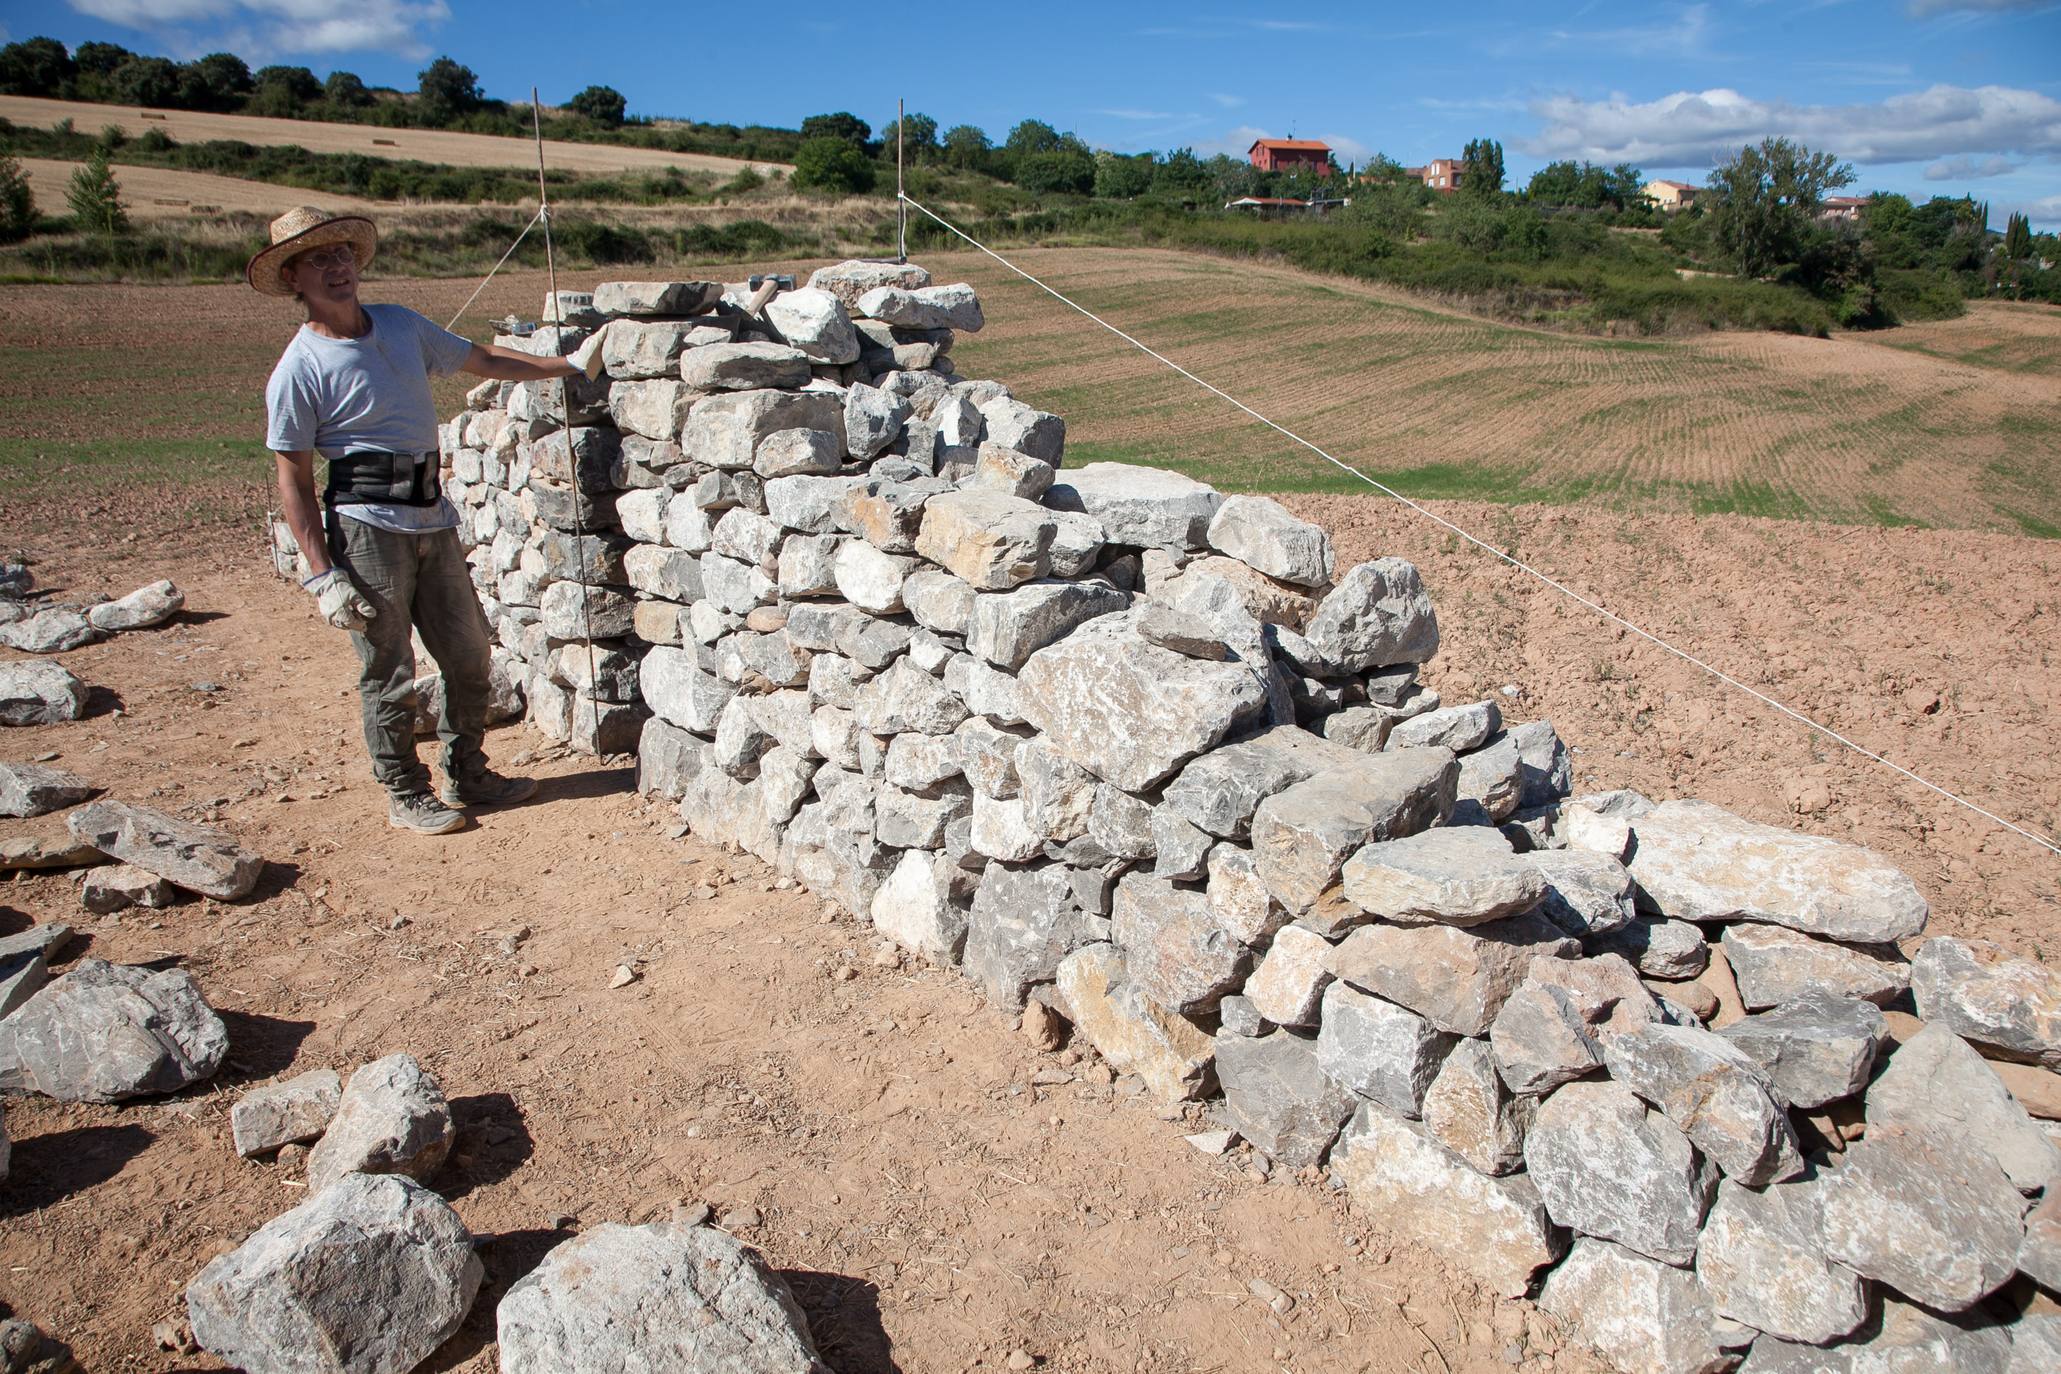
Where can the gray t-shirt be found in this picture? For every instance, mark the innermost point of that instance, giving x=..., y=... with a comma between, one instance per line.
x=334, y=395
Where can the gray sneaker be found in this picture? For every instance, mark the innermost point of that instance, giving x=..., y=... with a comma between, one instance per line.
x=422, y=813
x=486, y=788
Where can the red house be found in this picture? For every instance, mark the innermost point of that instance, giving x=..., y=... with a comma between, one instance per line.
x=1290, y=155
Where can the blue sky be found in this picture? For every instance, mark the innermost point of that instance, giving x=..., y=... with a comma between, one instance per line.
x=1927, y=97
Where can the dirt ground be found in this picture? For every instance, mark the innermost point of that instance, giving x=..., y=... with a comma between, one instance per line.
x=421, y=145
x=939, y=1192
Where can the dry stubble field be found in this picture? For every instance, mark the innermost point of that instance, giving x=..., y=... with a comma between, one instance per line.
x=935, y=1204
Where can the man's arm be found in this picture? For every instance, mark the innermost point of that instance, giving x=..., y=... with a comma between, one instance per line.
x=512, y=365
x=296, y=472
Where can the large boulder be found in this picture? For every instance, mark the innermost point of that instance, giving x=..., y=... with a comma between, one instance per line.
x=815, y=322
x=1456, y=979
x=391, y=1119
x=1170, y=1053
x=1175, y=949
x=1643, y=1317
x=1698, y=862
x=1762, y=1259
x=1006, y=628
x=924, y=307
x=367, y=1277
x=990, y=539
x=39, y=693
x=1404, y=1181
x=1302, y=835
x=1775, y=967
x=1608, y=1166
x=659, y=1297
x=1128, y=711
x=1815, y=1050
x=849, y=281
x=105, y=1032
x=1715, y=1092
x=1924, y=1213
x=1983, y=993
x=1220, y=791
x=1452, y=875
x=653, y=298
x=139, y=610
x=1261, y=534
x=1378, y=1050
x=1278, y=1098
x=1146, y=507
x=1377, y=616
x=1936, y=1081
x=198, y=858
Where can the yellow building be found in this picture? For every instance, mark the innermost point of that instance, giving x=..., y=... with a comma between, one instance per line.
x=1670, y=196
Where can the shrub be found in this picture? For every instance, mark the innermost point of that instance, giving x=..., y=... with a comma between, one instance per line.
x=95, y=197
x=17, y=202
x=832, y=164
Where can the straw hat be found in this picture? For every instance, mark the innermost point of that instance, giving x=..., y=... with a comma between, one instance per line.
x=300, y=229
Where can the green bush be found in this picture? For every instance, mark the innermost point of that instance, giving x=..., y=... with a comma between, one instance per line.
x=95, y=197
x=832, y=164
x=17, y=202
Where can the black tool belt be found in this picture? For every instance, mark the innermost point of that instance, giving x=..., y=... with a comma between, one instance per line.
x=401, y=479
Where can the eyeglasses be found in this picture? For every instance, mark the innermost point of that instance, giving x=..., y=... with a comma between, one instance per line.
x=322, y=259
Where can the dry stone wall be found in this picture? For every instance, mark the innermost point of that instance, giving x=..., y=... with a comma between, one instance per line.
x=1113, y=743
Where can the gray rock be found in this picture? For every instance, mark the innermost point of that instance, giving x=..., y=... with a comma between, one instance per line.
x=1456, y=979
x=1302, y=835
x=907, y=698
x=1640, y=1316
x=1180, y=851
x=908, y=821
x=1024, y=924
x=1006, y=628
x=392, y=1119
x=873, y=419
x=1131, y=712
x=23, y=974
x=116, y=887
x=1817, y=1049
x=667, y=757
x=849, y=281
x=1774, y=966
x=1458, y=728
x=1220, y=790
x=1609, y=1167
x=275, y=1114
x=1898, y=1338
x=744, y=366
x=1141, y=506
x=1120, y=825
x=1659, y=949
x=1923, y=1213
x=368, y=1277
x=1378, y=615
x=51, y=631
x=927, y=307
x=1287, y=987
x=634, y=351
x=678, y=690
x=990, y=539
x=46, y=939
x=815, y=322
x=673, y=574
x=657, y=1297
x=139, y=610
x=1547, y=768
x=1237, y=1016
x=725, y=431
x=25, y=1349
x=1985, y=994
x=105, y=1032
x=1715, y=1092
x=1697, y=862
x=1495, y=1228
x=1587, y=894
x=656, y=297
x=1240, y=899
x=1378, y=1050
x=1936, y=1081
x=1762, y=1260
x=914, y=908
x=1540, y=1039
x=1277, y=1097
x=1013, y=473
x=1036, y=433
x=33, y=693
x=1128, y=1029
x=34, y=789
x=1058, y=794
x=573, y=611
x=2039, y=1254
x=1176, y=951
x=939, y=601
x=1491, y=781
x=1184, y=633
x=1452, y=875
x=1261, y=534
x=798, y=453
x=1470, y=1111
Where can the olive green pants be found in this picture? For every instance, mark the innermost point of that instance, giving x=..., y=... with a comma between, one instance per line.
x=418, y=581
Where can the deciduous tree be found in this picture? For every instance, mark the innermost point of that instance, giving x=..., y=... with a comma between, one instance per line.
x=602, y=104
x=36, y=66
x=445, y=90
x=1767, y=198
x=842, y=125
x=828, y=163
x=17, y=202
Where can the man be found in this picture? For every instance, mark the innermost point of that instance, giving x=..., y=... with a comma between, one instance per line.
x=383, y=555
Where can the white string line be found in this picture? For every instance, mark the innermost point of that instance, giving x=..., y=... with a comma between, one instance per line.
x=1510, y=559
x=497, y=267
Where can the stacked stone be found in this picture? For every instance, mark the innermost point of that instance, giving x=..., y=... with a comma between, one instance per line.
x=1108, y=740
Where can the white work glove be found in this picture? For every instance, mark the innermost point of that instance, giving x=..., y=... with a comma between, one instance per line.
x=587, y=357
x=340, y=601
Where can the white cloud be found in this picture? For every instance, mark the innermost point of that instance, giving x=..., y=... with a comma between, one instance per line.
x=274, y=27
x=1229, y=102
x=2045, y=213
x=1138, y=114
x=1345, y=148
x=1969, y=168
x=1686, y=34
x=1701, y=126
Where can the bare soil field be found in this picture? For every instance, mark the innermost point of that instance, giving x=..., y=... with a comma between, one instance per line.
x=152, y=193
x=939, y=1193
x=423, y=145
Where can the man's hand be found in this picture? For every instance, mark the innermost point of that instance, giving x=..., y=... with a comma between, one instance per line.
x=341, y=603
x=587, y=357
